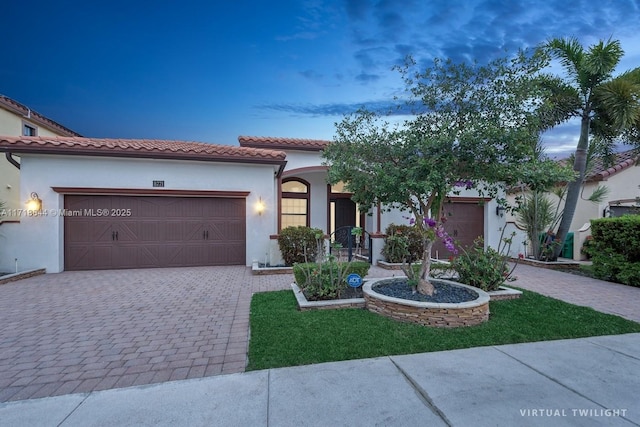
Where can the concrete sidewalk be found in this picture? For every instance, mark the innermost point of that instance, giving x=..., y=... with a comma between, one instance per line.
x=582, y=382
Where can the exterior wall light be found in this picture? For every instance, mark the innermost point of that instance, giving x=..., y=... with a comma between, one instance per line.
x=260, y=206
x=34, y=204
x=500, y=211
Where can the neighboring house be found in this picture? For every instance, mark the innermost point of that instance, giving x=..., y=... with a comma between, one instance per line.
x=119, y=203
x=622, y=180
x=19, y=120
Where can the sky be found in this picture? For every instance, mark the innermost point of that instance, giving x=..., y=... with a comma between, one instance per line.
x=210, y=71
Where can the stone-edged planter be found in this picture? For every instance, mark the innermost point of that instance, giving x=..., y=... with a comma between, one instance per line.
x=391, y=265
x=8, y=278
x=549, y=264
x=305, y=305
x=257, y=270
x=445, y=315
x=504, y=293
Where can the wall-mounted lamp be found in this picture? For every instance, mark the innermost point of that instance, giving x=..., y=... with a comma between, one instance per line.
x=34, y=203
x=500, y=211
x=260, y=206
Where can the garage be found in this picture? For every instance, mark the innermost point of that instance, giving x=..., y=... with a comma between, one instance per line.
x=464, y=223
x=126, y=231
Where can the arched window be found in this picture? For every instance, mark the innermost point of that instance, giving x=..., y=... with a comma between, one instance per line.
x=295, y=203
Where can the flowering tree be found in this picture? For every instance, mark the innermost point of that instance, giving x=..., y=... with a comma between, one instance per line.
x=469, y=126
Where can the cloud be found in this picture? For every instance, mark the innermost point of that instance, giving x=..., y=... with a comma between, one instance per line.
x=357, y=9
x=366, y=77
x=311, y=75
x=383, y=107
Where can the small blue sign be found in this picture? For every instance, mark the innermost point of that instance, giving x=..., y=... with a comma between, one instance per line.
x=354, y=280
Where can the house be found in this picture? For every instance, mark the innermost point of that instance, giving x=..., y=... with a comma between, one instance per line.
x=17, y=119
x=122, y=203
x=307, y=199
x=621, y=179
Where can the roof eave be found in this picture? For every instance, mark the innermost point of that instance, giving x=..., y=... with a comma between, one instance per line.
x=146, y=155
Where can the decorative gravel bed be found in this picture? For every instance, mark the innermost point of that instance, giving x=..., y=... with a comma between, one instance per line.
x=444, y=293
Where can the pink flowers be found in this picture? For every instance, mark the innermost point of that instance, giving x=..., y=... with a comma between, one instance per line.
x=467, y=184
x=439, y=231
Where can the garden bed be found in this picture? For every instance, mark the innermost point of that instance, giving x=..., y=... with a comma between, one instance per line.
x=553, y=265
x=12, y=277
x=305, y=305
x=259, y=269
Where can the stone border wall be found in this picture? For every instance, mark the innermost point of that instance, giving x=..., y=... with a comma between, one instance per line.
x=439, y=317
x=22, y=275
x=468, y=313
x=305, y=305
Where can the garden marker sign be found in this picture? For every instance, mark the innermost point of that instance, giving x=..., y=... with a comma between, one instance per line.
x=354, y=280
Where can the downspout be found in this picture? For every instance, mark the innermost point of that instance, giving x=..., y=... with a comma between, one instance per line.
x=11, y=160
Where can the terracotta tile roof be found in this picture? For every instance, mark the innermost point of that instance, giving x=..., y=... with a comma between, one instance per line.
x=603, y=169
x=283, y=143
x=145, y=148
x=34, y=116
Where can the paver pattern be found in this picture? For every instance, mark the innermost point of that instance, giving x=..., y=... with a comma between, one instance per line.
x=82, y=331
x=612, y=298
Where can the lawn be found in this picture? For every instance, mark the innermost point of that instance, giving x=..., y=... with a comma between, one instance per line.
x=283, y=336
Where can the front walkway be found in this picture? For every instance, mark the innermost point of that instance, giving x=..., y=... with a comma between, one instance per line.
x=76, y=332
x=606, y=297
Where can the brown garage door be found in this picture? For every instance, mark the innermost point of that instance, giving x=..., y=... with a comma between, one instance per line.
x=103, y=232
x=465, y=222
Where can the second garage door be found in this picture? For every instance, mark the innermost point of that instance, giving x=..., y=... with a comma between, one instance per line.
x=465, y=223
x=103, y=232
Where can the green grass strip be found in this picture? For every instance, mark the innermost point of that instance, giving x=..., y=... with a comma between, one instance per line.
x=283, y=336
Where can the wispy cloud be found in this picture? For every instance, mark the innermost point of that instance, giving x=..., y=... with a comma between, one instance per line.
x=390, y=108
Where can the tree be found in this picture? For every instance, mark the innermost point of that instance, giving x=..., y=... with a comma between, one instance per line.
x=471, y=126
x=608, y=107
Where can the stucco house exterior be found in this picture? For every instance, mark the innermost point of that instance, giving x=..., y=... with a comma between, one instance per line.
x=621, y=178
x=121, y=203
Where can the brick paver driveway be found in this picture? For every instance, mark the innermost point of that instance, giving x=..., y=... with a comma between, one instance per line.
x=81, y=331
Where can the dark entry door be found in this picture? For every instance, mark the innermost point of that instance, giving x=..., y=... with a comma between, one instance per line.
x=345, y=216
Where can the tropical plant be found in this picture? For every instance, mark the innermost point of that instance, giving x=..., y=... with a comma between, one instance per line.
x=608, y=107
x=327, y=280
x=486, y=269
x=470, y=126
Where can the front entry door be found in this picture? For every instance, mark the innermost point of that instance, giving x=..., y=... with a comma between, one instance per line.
x=344, y=215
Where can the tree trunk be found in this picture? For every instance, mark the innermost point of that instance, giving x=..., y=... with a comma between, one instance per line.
x=573, y=191
x=424, y=286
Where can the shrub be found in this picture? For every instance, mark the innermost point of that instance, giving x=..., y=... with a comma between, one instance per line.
x=441, y=270
x=403, y=241
x=485, y=269
x=327, y=280
x=615, y=250
x=300, y=244
x=588, y=247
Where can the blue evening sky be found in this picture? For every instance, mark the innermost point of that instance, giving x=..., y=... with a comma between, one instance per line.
x=210, y=71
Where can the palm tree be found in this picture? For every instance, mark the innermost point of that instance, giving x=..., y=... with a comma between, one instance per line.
x=608, y=107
